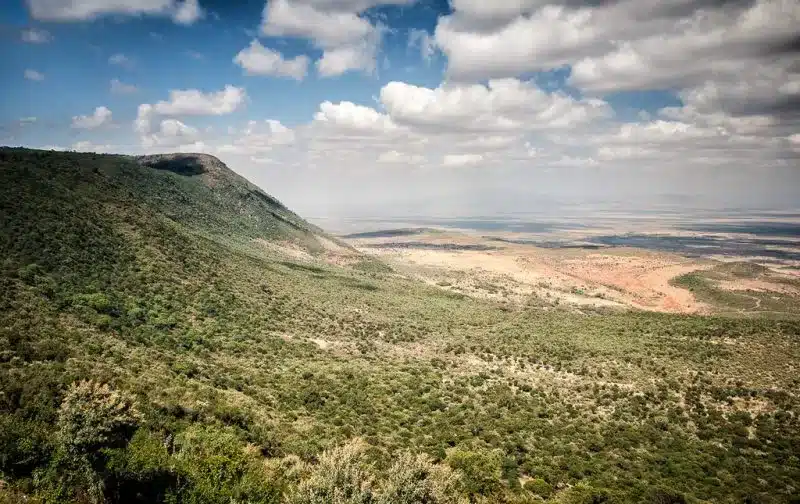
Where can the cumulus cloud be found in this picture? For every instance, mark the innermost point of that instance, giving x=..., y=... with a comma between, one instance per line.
x=33, y=75
x=119, y=87
x=35, y=36
x=144, y=116
x=183, y=102
x=171, y=133
x=187, y=12
x=181, y=11
x=502, y=105
x=491, y=39
x=259, y=60
x=359, y=56
x=196, y=102
x=350, y=116
x=731, y=64
x=348, y=39
x=100, y=117
x=258, y=138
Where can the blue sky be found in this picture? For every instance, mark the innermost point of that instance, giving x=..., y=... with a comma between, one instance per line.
x=421, y=101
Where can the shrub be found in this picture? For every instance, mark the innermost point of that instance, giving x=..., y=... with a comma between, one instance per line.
x=416, y=480
x=481, y=470
x=665, y=496
x=24, y=445
x=96, y=301
x=215, y=466
x=341, y=477
x=538, y=486
x=583, y=494
x=93, y=416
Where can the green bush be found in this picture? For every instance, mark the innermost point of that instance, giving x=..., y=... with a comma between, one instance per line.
x=342, y=476
x=538, y=486
x=94, y=416
x=416, y=480
x=24, y=445
x=481, y=470
x=96, y=301
x=214, y=465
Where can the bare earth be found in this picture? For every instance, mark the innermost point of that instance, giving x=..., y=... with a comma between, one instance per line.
x=612, y=278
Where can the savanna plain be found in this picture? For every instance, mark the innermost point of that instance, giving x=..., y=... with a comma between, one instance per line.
x=171, y=333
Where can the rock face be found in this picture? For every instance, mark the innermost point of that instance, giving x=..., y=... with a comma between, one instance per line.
x=211, y=167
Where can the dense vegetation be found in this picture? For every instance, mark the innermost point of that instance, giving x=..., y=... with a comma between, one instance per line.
x=152, y=350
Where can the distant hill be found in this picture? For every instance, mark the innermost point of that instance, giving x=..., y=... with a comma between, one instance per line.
x=195, y=190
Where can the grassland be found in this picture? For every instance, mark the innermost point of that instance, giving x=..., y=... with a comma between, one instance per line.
x=745, y=293
x=152, y=351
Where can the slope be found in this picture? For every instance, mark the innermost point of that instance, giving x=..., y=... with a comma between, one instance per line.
x=233, y=376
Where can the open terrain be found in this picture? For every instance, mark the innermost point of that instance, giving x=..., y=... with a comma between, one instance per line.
x=587, y=270
x=171, y=333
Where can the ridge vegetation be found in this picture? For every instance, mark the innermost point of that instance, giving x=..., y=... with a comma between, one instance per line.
x=152, y=351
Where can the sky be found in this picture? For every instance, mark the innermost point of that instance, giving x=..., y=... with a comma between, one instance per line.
x=386, y=108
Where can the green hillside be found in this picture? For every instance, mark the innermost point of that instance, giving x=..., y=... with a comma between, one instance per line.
x=151, y=350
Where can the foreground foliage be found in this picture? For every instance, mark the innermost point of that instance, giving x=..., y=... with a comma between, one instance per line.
x=151, y=350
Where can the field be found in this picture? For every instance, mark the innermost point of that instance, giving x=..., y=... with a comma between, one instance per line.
x=170, y=334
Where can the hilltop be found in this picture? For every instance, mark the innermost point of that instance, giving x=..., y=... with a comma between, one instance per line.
x=169, y=332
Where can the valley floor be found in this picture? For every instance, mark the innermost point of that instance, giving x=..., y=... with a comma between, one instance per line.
x=508, y=267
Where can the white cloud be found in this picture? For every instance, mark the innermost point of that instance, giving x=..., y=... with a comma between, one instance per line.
x=349, y=116
x=33, y=75
x=36, y=36
x=196, y=102
x=349, y=40
x=360, y=56
x=258, y=137
x=719, y=42
x=181, y=11
x=731, y=64
x=120, y=59
x=100, y=117
x=171, y=133
x=187, y=12
x=259, y=60
x=291, y=18
x=461, y=159
x=502, y=105
x=119, y=87
x=622, y=44
x=144, y=116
